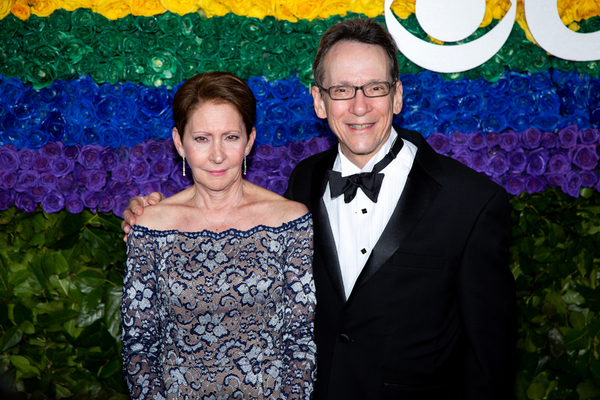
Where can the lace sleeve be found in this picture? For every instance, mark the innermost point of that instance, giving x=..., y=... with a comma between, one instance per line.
x=141, y=328
x=300, y=347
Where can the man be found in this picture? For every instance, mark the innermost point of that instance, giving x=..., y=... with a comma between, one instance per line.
x=415, y=299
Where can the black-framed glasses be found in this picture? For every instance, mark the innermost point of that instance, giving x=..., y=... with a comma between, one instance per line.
x=347, y=92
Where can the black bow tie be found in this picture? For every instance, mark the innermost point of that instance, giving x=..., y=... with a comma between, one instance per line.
x=369, y=182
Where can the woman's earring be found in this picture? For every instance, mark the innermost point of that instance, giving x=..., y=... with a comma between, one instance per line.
x=244, y=164
x=183, y=165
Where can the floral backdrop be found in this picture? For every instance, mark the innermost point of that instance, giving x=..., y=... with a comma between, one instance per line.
x=85, y=122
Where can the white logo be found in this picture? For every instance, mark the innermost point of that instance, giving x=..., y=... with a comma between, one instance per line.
x=454, y=20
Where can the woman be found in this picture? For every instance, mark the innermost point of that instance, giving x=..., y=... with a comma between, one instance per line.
x=218, y=296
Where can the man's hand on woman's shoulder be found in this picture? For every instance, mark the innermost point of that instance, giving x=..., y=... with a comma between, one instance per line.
x=136, y=209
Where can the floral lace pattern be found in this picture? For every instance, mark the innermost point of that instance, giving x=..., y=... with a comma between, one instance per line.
x=220, y=315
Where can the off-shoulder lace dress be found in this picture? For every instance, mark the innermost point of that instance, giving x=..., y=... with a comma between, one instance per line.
x=220, y=315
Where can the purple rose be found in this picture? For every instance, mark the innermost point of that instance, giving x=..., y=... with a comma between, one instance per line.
x=297, y=151
x=89, y=157
x=477, y=141
x=114, y=188
x=154, y=150
x=41, y=163
x=140, y=170
x=498, y=164
x=177, y=177
x=105, y=202
x=536, y=162
x=109, y=159
x=509, y=140
x=554, y=180
x=26, y=158
x=517, y=160
x=326, y=142
x=121, y=203
x=559, y=164
x=535, y=184
x=122, y=172
x=531, y=138
x=53, y=202
x=137, y=152
x=48, y=180
x=259, y=178
x=572, y=184
x=61, y=166
x=27, y=180
x=37, y=193
x=463, y=156
x=81, y=175
x=439, y=142
x=589, y=136
x=169, y=188
x=72, y=152
x=313, y=146
x=282, y=152
x=170, y=148
x=458, y=141
x=588, y=178
x=152, y=186
x=90, y=199
x=66, y=184
x=161, y=168
x=514, y=185
x=549, y=140
x=480, y=161
x=493, y=139
x=9, y=159
x=286, y=168
x=277, y=184
x=25, y=202
x=74, y=204
x=584, y=156
x=8, y=179
x=567, y=137
x=265, y=152
x=7, y=199
x=96, y=180
x=53, y=149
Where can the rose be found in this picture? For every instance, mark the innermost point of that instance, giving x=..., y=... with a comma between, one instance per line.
x=477, y=141
x=471, y=103
x=274, y=68
x=25, y=202
x=567, y=137
x=26, y=158
x=259, y=178
x=282, y=89
x=7, y=199
x=589, y=136
x=536, y=162
x=161, y=168
x=121, y=203
x=169, y=188
x=61, y=166
x=546, y=122
x=445, y=109
x=66, y=184
x=177, y=177
x=74, y=204
x=277, y=184
x=275, y=111
x=584, y=156
x=96, y=180
x=170, y=149
x=140, y=170
x=514, y=185
x=11, y=89
x=430, y=81
x=524, y=102
x=458, y=141
x=509, y=141
x=26, y=180
x=122, y=172
x=150, y=186
x=439, y=142
x=559, y=164
x=53, y=202
x=300, y=108
x=114, y=188
x=109, y=159
x=531, y=138
x=498, y=164
x=90, y=199
x=493, y=139
x=105, y=202
x=572, y=184
x=297, y=151
x=47, y=180
x=89, y=157
x=41, y=163
x=549, y=140
x=8, y=179
x=134, y=135
x=416, y=120
x=154, y=101
x=534, y=184
x=588, y=178
x=517, y=160
x=305, y=128
x=154, y=150
x=463, y=156
x=9, y=159
x=518, y=84
x=480, y=161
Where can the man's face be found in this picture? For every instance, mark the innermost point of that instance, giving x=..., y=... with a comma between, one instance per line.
x=361, y=124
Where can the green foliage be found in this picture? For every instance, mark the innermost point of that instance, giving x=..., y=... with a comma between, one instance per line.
x=556, y=264
x=60, y=294
x=60, y=291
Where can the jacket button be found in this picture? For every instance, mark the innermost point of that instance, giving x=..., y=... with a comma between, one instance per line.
x=344, y=338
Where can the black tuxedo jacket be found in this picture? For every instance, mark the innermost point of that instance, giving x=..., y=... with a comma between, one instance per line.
x=432, y=315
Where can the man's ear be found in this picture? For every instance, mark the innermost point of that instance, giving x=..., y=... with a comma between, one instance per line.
x=319, y=103
x=398, y=98
x=177, y=141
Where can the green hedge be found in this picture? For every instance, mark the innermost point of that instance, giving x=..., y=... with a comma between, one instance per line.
x=60, y=291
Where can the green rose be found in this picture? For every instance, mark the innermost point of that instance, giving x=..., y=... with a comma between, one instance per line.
x=187, y=25
x=82, y=17
x=11, y=47
x=317, y=29
x=538, y=60
x=492, y=70
x=205, y=28
x=187, y=48
x=169, y=23
x=131, y=44
x=135, y=67
x=252, y=29
x=9, y=27
x=86, y=33
x=54, y=38
x=150, y=42
x=188, y=69
x=274, y=68
x=87, y=64
x=65, y=69
x=111, y=71
x=127, y=24
x=163, y=63
x=233, y=65
x=39, y=74
x=286, y=27
x=562, y=65
x=169, y=42
x=270, y=24
x=208, y=65
x=109, y=43
x=521, y=59
x=12, y=67
x=250, y=50
x=252, y=68
x=589, y=67
x=31, y=41
x=227, y=50
x=147, y=24
x=60, y=20
x=46, y=54
x=273, y=44
x=74, y=49
x=209, y=47
x=102, y=23
x=231, y=25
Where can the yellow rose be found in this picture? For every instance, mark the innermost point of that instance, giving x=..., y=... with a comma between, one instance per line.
x=5, y=7
x=308, y=9
x=487, y=17
x=112, y=9
x=334, y=7
x=258, y=8
x=146, y=8
x=403, y=8
x=284, y=11
x=574, y=27
x=523, y=24
x=239, y=7
x=213, y=8
x=21, y=9
x=587, y=9
x=43, y=8
x=181, y=7
x=72, y=5
x=371, y=8
x=498, y=8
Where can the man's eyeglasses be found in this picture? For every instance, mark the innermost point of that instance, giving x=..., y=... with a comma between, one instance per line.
x=347, y=92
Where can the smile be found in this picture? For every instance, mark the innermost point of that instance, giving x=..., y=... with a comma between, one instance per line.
x=363, y=126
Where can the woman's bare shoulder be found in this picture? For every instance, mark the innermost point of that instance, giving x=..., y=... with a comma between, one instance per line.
x=275, y=210
x=164, y=215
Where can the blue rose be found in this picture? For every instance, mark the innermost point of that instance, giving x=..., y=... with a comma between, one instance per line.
x=55, y=95
x=275, y=111
x=416, y=120
x=546, y=122
x=108, y=107
x=133, y=135
x=540, y=81
x=81, y=113
x=518, y=84
x=35, y=138
x=566, y=100
x=154, y=100
x=260, y=87
x=301, y=108
x=496, y=104
x=430, y=81
x=471, y=104
x=445, y=109
x=282, y=89
x=465, y=123
x=11, y=91
x=86, y=88
x=264, y=134
x=110, y=136
x=456, y=88
x=413, y=99
x=55, y=126
x=518, y=121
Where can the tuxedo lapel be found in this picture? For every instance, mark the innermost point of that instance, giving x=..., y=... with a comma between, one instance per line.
x=418, y=194
x=325, y=251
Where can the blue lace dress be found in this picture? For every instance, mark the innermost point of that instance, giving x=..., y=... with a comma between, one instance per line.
x=220, y=315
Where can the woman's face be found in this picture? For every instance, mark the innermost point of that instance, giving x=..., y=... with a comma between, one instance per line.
x=214, y=144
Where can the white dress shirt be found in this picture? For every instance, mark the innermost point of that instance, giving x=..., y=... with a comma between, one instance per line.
x=357, y=226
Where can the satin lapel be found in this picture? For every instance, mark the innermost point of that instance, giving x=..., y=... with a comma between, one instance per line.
x=325, y=251
x=418, y=194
